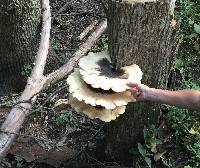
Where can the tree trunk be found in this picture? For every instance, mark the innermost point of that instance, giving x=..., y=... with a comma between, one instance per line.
x=19, y=33
x=139, y=33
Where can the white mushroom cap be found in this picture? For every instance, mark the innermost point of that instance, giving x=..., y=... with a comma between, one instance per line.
x=89, y=62
x=96, y=112
x=84, y=92
x=94, y=73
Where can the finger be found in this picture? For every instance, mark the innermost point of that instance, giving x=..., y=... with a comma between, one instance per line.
x=133, y=90
x=131, y=84
x=138, y=94
x=135, y=94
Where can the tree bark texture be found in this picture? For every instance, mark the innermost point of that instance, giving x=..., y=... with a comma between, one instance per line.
x=19, y=27
x=140, y=33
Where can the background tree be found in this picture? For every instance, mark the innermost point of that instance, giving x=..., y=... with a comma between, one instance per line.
x=140, y=32
x=19, y=34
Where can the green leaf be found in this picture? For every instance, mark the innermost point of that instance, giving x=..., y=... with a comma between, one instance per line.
x=179, y=63
x=145, y=132
x=142, y=150
x=148, y=161
x=191, y=22
x=197, y=28
x=156, y=141
x=187, y=166
x=192, y=131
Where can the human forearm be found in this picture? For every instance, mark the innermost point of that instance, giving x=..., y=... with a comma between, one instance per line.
x=182, y=98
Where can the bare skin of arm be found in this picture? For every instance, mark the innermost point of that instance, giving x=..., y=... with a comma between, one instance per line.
x=189, y=99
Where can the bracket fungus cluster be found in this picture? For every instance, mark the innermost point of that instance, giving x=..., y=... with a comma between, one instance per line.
x=99, y=90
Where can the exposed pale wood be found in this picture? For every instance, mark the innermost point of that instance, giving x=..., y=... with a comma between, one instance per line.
x=87, y=30
x=38, y=82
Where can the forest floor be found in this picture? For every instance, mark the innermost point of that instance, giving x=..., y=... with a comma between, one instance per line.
x=52, y=136
x=57, y=136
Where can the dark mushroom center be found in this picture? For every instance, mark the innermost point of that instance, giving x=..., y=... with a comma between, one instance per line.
x=99, y=107
x=99, y=90
x=107, y=69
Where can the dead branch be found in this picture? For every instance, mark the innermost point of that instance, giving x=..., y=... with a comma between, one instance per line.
x=85, y=47
x=17, y=115
x=38, y=82
x=63, y=8
x=87, y=30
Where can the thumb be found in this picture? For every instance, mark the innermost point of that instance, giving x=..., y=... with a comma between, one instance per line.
x=131, y=84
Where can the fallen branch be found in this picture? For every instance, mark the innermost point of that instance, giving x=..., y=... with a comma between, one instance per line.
x=17, y=115
x=84, y=48
x=87, y=30
x=38, y=81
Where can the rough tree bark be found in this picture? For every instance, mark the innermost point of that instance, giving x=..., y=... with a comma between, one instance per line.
x=139, y=32
x=19, y=34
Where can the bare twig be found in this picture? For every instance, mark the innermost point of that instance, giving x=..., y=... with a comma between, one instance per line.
x=55, y=92
x=63, y=8
x=86, y=145
x=101, y=2
x=77, y=13
x=17, y=115
x=87, y=30
x=68, y=67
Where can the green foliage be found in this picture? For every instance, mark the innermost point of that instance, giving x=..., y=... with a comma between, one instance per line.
x=8, y=101
x=192, y=143
x=189, y=52
x=26, y=70
x=180, y=120
x=65, y=119
x=19, y=162
x=102, y=44
x=186, y=127
x=187, y=166
x=144, y=153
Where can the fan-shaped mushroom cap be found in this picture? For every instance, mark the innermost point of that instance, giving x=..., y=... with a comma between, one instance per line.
x=96, y=69
x=84, y=92
x=96, y=111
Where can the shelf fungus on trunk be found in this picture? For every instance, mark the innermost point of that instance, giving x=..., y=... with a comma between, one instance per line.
x=98, y=89
x=96, y=97
x=96, y=69
x=96, y=111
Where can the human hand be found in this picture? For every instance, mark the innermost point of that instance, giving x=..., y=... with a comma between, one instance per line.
x=138, y=91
